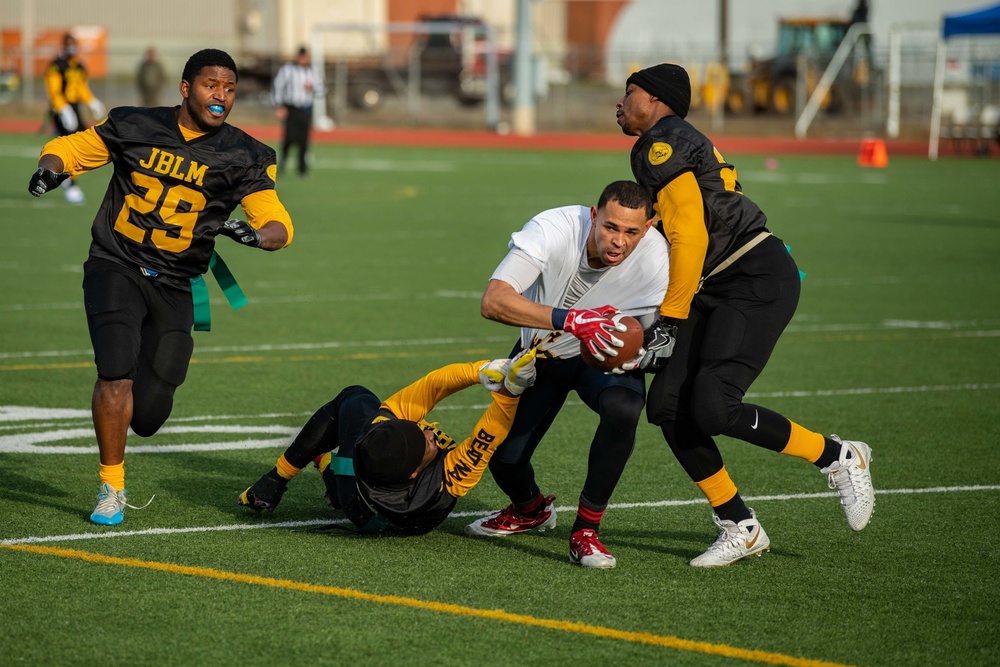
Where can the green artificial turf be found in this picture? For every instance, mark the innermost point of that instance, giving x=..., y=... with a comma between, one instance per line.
x=895, y=342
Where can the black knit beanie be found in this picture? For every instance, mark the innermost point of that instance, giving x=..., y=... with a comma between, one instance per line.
x=670, y=83
x=391, y=451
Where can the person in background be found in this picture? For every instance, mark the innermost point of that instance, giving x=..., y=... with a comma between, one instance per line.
x=68, y=90
x=149, y=79
x=295, y=87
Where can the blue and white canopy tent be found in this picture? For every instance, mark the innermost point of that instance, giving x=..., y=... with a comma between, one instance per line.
x=982, y=21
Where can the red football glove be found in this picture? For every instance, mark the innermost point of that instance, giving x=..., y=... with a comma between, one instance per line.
x=594, y=327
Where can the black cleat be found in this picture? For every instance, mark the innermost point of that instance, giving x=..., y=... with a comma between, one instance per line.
x=265, y=494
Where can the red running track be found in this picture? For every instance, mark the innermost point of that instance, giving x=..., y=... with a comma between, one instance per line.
x=552, y=140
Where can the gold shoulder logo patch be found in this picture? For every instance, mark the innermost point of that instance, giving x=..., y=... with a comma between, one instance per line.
x=659, y=153
x=272, y=172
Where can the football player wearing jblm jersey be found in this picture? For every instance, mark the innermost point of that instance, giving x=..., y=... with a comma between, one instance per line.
x=733, y=288
x=179, y=172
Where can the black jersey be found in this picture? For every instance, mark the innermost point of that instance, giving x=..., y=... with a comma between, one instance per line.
x=416, y=506
x=66, y=83
x=672, y=147
x=168, y=197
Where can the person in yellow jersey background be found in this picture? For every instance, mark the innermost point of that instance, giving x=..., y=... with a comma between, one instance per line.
x=68, y=91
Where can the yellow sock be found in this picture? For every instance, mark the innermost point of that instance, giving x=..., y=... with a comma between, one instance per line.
x=718, y=488
x=113, y=475
x=804, y=444
x=324, y=462
x=286, y=469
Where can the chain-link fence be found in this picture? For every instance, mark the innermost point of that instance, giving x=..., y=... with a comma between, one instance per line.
x=576, y=102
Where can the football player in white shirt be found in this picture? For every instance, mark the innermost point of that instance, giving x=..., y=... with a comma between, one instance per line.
x=563, y=265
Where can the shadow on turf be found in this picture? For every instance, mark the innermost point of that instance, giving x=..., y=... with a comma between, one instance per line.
x=657, y=542
x=215, y=482
x=221, y=481
x=28, y=490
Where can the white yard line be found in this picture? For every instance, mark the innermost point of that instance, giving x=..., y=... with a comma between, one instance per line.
x=953, y=328
x=460, y=515
x=287, y=347
x=24, y=437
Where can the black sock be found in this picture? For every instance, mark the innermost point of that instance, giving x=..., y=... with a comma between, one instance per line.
x=532, y=508
x=587, y=517
x=734, y=510
x=831, y=453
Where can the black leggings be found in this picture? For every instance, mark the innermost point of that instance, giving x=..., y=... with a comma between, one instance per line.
x=337, y=424
x=618, y=400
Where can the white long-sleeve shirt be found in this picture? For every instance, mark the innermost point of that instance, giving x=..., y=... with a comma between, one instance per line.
x=547, y=263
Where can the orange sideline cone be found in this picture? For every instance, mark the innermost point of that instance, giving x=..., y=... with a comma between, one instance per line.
x=873, y=154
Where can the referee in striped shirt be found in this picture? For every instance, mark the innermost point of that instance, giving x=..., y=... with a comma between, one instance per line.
x=295, y=87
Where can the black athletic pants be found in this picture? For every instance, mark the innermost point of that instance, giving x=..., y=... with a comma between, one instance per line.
x=297, y=125
x=141, y=331
x=617, y=399
x=339, y=423
x=723, y=345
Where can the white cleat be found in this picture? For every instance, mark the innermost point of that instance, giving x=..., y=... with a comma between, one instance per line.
x=851, y=475
x=74, y=194
x=586, y=549
x=510, y=521
x=735, y=541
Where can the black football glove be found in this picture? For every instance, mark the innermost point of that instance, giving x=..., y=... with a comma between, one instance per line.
x=241, y=232
x=44, y=180
x=658, y=343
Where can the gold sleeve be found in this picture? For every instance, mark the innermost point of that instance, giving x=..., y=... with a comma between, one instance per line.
x=83, y=92
x=264, y=206
x=416, y=400
x=464, y=466
x=53, y=86
x=682, y=210
x=80, y=151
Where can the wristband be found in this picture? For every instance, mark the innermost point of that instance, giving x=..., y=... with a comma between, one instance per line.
x=559, y=316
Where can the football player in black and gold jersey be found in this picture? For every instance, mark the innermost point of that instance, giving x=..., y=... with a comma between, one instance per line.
x=68, y=90
x=384, y=464
x=179, y=172
x=733, y=288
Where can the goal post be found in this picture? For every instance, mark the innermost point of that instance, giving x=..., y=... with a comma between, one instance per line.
x=805, y=119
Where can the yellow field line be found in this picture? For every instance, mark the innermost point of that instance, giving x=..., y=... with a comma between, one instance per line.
x=443, y=607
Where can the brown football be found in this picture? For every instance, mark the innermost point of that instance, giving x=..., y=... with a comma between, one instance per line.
x=633, y=342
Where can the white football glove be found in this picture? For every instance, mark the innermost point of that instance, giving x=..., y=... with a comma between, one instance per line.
x=68, y=118
x=522, y=372
x=97, y=108
x=493, y=373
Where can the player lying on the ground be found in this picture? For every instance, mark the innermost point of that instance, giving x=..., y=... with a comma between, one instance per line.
x=387, y=467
